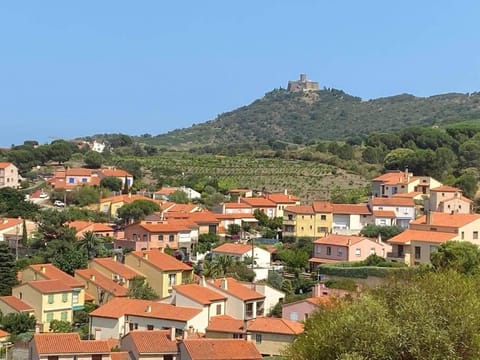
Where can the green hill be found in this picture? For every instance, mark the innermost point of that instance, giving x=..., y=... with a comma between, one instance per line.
x=326, y=114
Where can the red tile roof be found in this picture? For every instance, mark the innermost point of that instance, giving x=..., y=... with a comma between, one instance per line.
x=340, y=240
x=236, y=205
x=392, y=201
x=170, y=207
x=409, y=235
x=275, y=326
x=446, y=188
x=225, y=323
x=115, y=172
x=236, y=289
x=120, y=355
x=78, y=172
x=323, y=261
x=79, y=225
x=199, y=294
x=161, y=260
x=322, y=206
x=447, y=220
x=412, y=195
x=10, y=222
x=221, y=349
x=231, y=248
x=395, y=177
x=153, y=341
x=166, y=227
x=116, y=267
x=259, y=202
x=166, y=191
x=4, y=165
x=51, y=272
x=100, y=280
x=16, y=303
x=281, y=198
x=384, y=214
x=236, y=216
x=120, y=306
x=300, y=209
x=4, y=334
x=49, y=286
x=351, y=209
x=203, y=217
x=68, y=343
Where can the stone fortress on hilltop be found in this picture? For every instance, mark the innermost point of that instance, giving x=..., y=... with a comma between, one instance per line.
x=302, y=85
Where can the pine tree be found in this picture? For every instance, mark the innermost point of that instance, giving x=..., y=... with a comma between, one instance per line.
x=8, y=274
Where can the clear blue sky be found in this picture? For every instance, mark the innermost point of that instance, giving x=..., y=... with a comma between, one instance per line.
x=75, y=68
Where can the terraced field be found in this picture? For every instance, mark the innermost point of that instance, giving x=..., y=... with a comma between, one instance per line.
x=307, y=179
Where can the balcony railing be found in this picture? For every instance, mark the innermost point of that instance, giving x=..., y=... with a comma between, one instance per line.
x=396, y=256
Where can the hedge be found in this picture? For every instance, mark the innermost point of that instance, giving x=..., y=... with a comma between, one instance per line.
x=358, y=271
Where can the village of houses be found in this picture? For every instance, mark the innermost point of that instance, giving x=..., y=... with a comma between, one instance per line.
x=216, y=318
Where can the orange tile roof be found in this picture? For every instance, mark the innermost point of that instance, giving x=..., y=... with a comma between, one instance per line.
x=321, y=301
x=392, y=201
x=51, y=272
x=236, y=205
x=161, y=260
x=4, y=165
x=395, y=177
x=412, y=195
x=115, y=172
x=166, y=191
x=300, y=209
x=322, y=206
x=231, y=248
x=384, y=213
x=199, y=294
x=4, y=334
x=80, y=225
x=179, y=208
x=357, y=209
x=340, y=240
x=446, y=188
x=16, y=303
x=236, y=289
x=221, y=349
x=281, y=198
x=236, y=216
x=153, y=341
x=275, y=326
x=49, y=286
x=203, y=217
x=166, y=227
x=78, y=172
x=447, y=220
x=9, y=222
x=100, y=280
x=225, y=323
x=116, y=267
x=421, y=235
x=68, y=343
x=120, y=355
x=121, y=306
x=259, y=202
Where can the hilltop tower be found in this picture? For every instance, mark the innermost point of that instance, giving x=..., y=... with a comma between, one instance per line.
x=302, y=85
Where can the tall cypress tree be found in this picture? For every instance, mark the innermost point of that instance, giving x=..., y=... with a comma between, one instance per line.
x=8, y=272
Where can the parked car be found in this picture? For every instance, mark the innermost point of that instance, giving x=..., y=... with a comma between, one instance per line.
x=59, y=203
x=43, y=195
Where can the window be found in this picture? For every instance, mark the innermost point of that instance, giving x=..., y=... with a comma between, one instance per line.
x=339, y=252
x=249, y=310
x=49, y=317
x=290, y=217
x=96, y=357
x=258, y=338
x=160, y=237
x=50, y=298
x=318, y=250
x=463, y=235
x=64, y=297
x=171, y=238
x=475, y=235
x=145, y=237
x=75, y=298
x=372, y=251
x=133, y=326
x=84, y=180
x=63, y=316
x=418, y=253
x=52, y=358
x=149, y=327
x=172, y=279
x=329, y=250
x=358, y=252
x=236, y=336
x=71, y=180
x=294, y=316
x=303, y=217
x=134, y=237
x=323, y=217
x=311, y=227
x=219, y=309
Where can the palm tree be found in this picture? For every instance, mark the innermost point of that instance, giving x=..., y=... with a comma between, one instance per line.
x=223, y=262
x=210, y=269
x=90, y=243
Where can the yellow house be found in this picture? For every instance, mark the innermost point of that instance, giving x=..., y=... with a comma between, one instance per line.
x=50, y=299
x=111, y=204
x=10, y=304
x=51, y=272
x=162, y=271
x=313, y=220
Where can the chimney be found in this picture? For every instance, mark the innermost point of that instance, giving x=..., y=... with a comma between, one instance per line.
x=42, y=269
x=115, y=258
x=148, y=309
x=285, y=191
x=248, y=336
x=172, y=333
x=379, y=238
x=224, y=284
x=203, y=282
x=429, y=217
x=349, y=242
x=407, y=175
x=185, y=334
x=92, y=277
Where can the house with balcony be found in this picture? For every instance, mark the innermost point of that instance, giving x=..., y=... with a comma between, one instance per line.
x=243, y=303
x=67, y=346
x=154, y=235
x=299, y=221
x=162, y=271
x=282, y=200
x=403, y=209
x=240, y=219
x=402, y=182
x=448, y=199
x=236, y=208
x=119, y=316
x=260, y=203
x=350, y=219
x=9, y=175
x=415, y=245
x=339, y=248
x=99, y=287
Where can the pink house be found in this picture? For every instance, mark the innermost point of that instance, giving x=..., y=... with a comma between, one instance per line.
x=154, y=235
x=336, y=248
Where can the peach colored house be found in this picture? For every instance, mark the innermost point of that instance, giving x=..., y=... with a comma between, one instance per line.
x=156, y=234
x=449, y=199
x=262, y=204
x=338, y=248
x=9, y=175
x=403, y=208
x=67, y=346
x=101, y=229
x=401, y=182
x=415, y=245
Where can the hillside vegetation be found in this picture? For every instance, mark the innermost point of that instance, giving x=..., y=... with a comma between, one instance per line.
x=323, y=115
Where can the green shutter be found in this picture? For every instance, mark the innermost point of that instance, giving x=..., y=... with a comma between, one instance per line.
x=65, y=297
x=64, y=316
